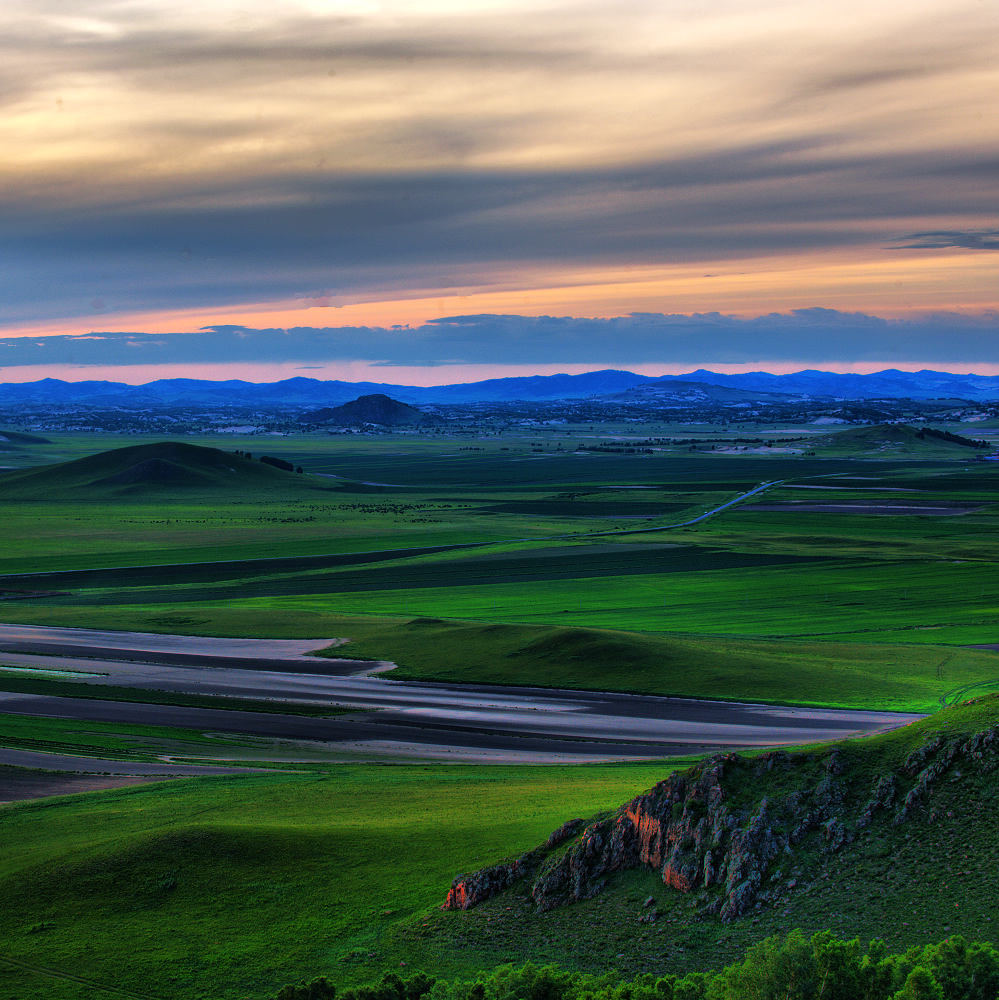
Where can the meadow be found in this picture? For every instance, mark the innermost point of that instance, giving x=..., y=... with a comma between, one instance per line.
x=230, y=887
x=513, y=559
x=829, y=606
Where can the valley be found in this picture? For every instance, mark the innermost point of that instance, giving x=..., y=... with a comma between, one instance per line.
x=469, y=638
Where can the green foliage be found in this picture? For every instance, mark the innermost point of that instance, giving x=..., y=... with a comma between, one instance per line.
x=317, y=989
x=920, y=984
x=790, y=967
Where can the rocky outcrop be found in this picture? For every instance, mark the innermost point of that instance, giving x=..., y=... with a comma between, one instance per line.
x=468, y=890
x=707, y=830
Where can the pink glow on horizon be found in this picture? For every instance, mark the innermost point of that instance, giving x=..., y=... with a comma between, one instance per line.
x=360, y=371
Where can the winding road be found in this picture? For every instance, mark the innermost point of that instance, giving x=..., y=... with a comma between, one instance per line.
x=400, y=719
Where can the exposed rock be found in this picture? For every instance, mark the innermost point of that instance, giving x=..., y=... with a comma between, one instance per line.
x=882, y=797
x=558, y=837
x=468, y=890
x=836, y=835
x=702, y=829
x=916, y=760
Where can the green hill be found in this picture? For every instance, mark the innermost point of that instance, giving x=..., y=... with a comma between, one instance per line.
x=165, y=468
x=893, y=836
x=898, y=441
x=9, y=438
x=229, y=887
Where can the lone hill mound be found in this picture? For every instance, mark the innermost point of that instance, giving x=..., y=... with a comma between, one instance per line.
x=899, y=439
x=374, y=409
x=166, y=467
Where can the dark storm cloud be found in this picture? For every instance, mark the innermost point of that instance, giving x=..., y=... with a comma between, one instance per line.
x=645, y=338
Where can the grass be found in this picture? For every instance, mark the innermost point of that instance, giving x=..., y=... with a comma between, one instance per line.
x=229, y=887
x=923, y=880
x=901, y=678
x=119, y=741
x=782, y=574
x=913, y=678
x=412, y=570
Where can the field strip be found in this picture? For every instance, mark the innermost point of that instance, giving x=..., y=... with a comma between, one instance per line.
x=234, y=569
x=41, y=970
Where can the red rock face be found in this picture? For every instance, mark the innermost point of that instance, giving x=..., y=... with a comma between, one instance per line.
x=696, y=833
x=649, y=831
x=677, y=879
x=457, y=897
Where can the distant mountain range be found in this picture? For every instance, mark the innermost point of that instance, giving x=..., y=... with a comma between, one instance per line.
x=311, y=393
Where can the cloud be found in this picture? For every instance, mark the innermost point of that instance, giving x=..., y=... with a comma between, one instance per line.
x=278, y=239
x=202, y=155
x=800, y=336
x=982, y=239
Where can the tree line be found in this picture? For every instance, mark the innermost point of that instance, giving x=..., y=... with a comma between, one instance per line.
x=793, y=967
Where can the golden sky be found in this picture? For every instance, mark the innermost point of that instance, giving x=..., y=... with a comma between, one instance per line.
x=311, y=163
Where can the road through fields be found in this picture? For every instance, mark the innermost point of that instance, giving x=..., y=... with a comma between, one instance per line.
x=401, y=718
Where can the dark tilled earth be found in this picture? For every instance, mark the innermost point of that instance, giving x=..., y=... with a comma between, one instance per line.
x=18, y=783
x=926, y=510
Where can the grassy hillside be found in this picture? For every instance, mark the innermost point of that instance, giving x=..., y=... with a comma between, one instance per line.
x=896, y=441
x=921, y=865
x=903, y=678
x=230, y=887
x=139, y=470
x=10, y=439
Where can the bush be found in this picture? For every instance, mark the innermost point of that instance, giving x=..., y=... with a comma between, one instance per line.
x=793, y=967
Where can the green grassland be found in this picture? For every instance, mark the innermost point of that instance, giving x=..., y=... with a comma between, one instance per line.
x=119, y=741
x=876, y=675
x=901, y=678
x=521, y=562
x=860, y=609
x=230, y=887
x=932, y=876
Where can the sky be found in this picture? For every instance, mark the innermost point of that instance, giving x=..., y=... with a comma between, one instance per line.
x=443, y=190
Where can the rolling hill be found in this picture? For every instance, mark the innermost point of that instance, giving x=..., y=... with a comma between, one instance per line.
x=169, y=467
x=898, y=441
x=891, y=836
x=342, y=873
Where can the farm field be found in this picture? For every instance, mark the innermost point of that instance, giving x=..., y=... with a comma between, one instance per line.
x=308, y=556
x=849, y=581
